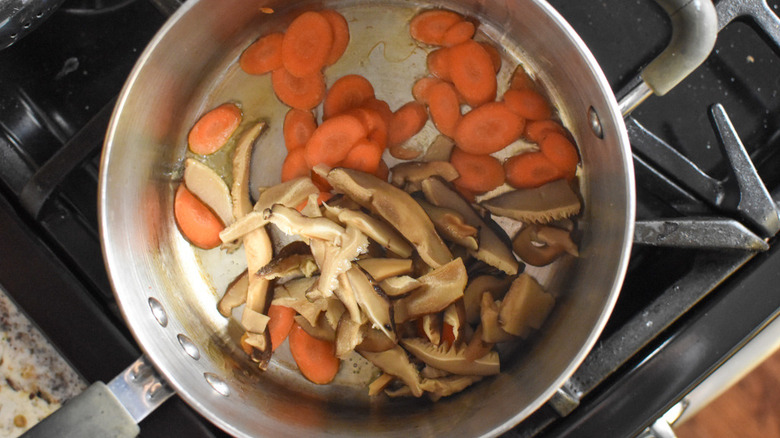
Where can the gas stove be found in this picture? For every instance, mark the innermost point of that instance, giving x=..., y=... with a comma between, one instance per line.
x=706, y=155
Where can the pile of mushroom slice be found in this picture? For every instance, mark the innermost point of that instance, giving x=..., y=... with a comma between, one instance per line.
x=417, y=282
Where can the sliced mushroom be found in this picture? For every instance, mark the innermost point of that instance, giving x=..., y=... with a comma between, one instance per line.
x=291, y=222
x=455, y=316
x=540, y=245
x=209, y=187
x=290, y=193
x=379, y=384
x=349, y=334
x=439, y=150
x=257, y=346
x=235, y=295
x=382, y=268
x=337, y=260
x=552, y=201
x=439, y=288
x=476, y=347
x=491, y=330
x=451, y=225
x=372, y=301
x=452, y=359
x=375, y=229
x=429, y=372
x=375, y=341
x=525, y=306
x=346, y=295
x=414, y=172
x=492, y=249
x=397, y=208
x=446, y=386
x=258, y=252
x=396, y=362
x=242, y=159
x=288, y=267
x=431, y=325
x=322, y=330
x=334, y=312
x=472, y=296
x=293, y=294
x=246, y=224
x=399, y=286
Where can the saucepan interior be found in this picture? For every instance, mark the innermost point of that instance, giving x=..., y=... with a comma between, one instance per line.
x=168, y=290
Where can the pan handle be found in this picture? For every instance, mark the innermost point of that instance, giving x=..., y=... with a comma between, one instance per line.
x=108, y=410
x=694, y=31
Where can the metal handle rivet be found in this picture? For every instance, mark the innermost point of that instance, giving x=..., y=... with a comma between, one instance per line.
x=217, y=384
x=595, y=122
x=189, y=347
x=158, y=312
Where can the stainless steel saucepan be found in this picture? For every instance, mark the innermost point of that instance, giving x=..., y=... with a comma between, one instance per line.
x=168, y=291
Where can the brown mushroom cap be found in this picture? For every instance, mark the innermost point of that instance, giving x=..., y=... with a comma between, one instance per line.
x=525, y=306
x=235, y=295
x=452, y=359
x=540, y=245
x=396, y=362
x=242, y=158
x=552, y=201
x=439, y=289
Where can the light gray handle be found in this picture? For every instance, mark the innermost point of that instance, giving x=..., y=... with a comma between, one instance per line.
x=694, y=31
x=95, y=412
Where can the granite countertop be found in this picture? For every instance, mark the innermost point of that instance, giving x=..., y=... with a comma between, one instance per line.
x=34, y=379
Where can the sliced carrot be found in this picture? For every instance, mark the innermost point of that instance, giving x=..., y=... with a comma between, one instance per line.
x=383, y=171
x=381, y=107
x=495, y=56
x=466, y=194
x=280, y=322
x=472, y=73
x=530, y=170
x=438, y=62
x=303, y=93
x=264, y=55
x=197, y=223
x=333, y=139
x=294, y=165
x=347, y=92
x=458, y=33
x=407, y=121
x=315, y=358
x=444, y=107
x=298, y=127
x=340, y=35
x=528, y=104
x=429, y=27
x=447, y=333
x=421, y=88
x=477, y=173
x=488, y=129
x=364, y=156
x=561, y=152
x=373, y=122
x=213, y=129
x=307, y=44
x=537, y=130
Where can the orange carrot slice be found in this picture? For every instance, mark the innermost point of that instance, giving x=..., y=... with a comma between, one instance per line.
x=521, y=80
x=297, y=129
x=280, y=322
x=303, y=93
x=429, y=27
x=214, y=129
x=488, y=129
x=307, y=44
x=407, y=121
x=340, y=35
x=264, y=55
x=477, y=173
x=537, y=130
x=528, y=104
x=315, y=358
x=472, y=73
x=421, y=88
x=447, y=333
x=383, y=171
x=197, y=223
x=347, y=92
x=320, y=182
x=374, y=122
x=561, y=152
x=444, y=107
x=458, y=33
x=364, y=156
x=295, y=165
x=333, y=139
x=530, y=170
x=495, y=56
x=438, y=62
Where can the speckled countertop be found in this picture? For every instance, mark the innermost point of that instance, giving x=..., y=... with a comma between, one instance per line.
x=34, y=379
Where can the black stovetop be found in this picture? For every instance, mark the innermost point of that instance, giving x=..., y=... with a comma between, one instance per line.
x=57, y=87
